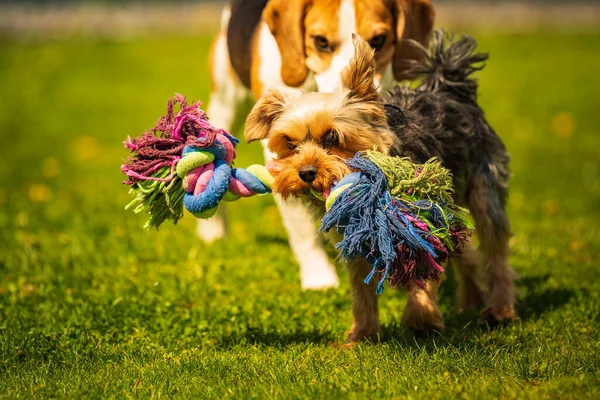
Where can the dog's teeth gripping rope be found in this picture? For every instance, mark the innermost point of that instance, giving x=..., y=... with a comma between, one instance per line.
x=397, y=215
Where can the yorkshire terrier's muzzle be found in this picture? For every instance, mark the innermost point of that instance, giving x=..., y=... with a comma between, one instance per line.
x=309, y=169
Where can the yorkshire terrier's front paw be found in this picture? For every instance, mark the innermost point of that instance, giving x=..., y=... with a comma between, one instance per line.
x=423, y=319
x=359, y=334
x=496, y=315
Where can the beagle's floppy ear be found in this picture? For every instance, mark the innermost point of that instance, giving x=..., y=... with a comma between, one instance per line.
x=285, y=19
x=358, y=76
x=266, y=110
x=414, y=21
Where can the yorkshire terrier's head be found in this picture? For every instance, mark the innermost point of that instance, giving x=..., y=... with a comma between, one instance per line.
x=313, y=134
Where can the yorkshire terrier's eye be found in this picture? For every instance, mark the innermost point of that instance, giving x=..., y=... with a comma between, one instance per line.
x=290, y=143
x=322, y=44
x=330, y=139
x=377, y=42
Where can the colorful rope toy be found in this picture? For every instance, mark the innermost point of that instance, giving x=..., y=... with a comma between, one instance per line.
x=185, y=161
x=398, y=215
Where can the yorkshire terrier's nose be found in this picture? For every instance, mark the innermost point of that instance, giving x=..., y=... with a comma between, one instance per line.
x=308, y=173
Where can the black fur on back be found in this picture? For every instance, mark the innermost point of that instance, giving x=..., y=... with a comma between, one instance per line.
x=441, y=118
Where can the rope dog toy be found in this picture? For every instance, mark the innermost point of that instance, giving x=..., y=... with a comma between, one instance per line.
x=397, y=215
x=208, y=178
x=185, y=161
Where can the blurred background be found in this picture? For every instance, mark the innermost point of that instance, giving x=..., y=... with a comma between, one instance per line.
x=81, y=280
x=124, y=17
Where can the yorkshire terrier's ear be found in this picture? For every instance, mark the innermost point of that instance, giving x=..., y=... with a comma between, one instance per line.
x=266, y=110
x=358, y=76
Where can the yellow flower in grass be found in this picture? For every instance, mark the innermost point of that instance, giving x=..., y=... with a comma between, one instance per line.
x=39, y=193
x=563, y=125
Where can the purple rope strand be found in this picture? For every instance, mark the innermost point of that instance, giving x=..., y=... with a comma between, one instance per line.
x=162, y=145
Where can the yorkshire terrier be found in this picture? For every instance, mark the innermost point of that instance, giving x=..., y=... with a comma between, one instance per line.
x=313, y=134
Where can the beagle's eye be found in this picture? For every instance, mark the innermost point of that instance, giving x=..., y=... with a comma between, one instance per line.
x=322, y=44
x=330, y=139
x=290, y=143
x=377, y=42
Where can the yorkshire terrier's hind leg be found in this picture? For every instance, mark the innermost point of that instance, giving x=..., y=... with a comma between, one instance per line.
x=487, y=205
x=470, y=290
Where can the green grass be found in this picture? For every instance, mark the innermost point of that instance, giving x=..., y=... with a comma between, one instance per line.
x=92, y=306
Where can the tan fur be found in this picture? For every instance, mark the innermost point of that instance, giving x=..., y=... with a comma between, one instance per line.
x=256, y=85
x=285, y=20
x=358, y=76
x=421, y=312
x=322, y=18
x=264, y=112
x=365, y=316
x=288, y=182
x=377, y=18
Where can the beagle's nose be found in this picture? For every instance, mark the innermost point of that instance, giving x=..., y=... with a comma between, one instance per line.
x=308, y=173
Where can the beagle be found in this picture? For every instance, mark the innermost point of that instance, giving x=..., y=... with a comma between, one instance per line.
x=303, y=45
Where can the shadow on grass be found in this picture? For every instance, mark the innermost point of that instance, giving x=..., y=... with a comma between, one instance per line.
x=255, y=335
x=532, y=306
x=460, y=328
x=539, y=300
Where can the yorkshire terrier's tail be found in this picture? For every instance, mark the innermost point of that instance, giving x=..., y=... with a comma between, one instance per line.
x=449, y=64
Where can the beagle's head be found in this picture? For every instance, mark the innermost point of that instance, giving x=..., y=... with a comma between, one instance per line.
x=316, y=35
